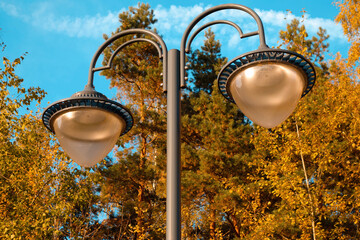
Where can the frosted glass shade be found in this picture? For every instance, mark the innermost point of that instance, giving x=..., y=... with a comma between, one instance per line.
x=267, y=93
x=87, y=135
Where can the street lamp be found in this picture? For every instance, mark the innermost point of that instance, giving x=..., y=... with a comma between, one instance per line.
x=266, y=84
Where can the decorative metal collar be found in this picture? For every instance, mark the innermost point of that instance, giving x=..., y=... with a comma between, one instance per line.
x=87, y=99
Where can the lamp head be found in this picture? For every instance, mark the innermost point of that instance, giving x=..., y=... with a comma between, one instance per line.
x=267, y=84
x=87, y=125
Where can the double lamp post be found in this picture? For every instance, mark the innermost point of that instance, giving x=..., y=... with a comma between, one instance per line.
x=266, y=84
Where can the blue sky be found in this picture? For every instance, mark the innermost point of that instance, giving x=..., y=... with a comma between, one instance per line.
x=61, y=36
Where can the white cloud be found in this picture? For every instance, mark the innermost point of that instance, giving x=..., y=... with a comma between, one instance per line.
x=176, y=17
x=277, y=20
x=10, y=9
x=172, y=22
x=87, y=26
x=333, y=29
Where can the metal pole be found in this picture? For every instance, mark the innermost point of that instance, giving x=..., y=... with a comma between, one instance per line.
x=173, y=206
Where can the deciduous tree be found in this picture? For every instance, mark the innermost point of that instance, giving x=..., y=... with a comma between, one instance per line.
x=42, y=196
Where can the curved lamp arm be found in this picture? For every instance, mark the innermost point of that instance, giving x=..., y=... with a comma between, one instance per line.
x=111, y=59
x=162, y=52
x=242, y=35
x=185, y=48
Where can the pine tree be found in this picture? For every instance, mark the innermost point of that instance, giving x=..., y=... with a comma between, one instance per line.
x=205, y=64
x=134, y=185
x=216, y=150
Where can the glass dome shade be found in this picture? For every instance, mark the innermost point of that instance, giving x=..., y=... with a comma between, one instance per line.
x=268, y=92
x=87, y=134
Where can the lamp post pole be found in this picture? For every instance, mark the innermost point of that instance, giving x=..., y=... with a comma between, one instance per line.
x=263, y=75
x=173, y=206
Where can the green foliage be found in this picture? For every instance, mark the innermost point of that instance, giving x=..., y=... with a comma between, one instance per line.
x=134, y=185
x=215, y=151
x=205, y=64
